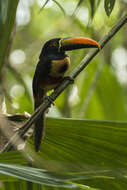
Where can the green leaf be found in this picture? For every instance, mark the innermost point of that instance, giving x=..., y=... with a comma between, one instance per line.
x=109, y=5
x=60, y=6
x=88, y=152
x=45, y=3
x=7, y=17
x=94, y=5
x=12, y=157
x=77, y=6
x=88, y=147
x=40, y=176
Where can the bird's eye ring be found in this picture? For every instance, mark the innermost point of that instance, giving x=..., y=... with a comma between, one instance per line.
x=53, y=44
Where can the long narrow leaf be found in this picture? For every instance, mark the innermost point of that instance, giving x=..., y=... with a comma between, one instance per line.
x=109, y=5
x=60, y=6
x=39, y=176
x=7, y=17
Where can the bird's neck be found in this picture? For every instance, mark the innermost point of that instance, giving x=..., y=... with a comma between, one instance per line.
x=53, y=55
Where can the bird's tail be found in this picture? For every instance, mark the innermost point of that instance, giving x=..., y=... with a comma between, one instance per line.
x=39, y=128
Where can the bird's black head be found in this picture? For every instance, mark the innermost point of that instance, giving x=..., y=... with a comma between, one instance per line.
x=51, y=47
x=60, y=45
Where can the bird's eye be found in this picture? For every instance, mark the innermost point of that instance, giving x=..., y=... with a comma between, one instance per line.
x=53, y=44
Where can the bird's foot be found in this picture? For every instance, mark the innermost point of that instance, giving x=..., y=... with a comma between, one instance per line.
x=69, y=78
x=49, y=99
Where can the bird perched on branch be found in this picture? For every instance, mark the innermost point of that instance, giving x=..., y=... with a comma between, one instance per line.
x=50, y=70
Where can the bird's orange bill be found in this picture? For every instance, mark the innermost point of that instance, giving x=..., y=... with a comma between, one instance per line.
x=67, y=44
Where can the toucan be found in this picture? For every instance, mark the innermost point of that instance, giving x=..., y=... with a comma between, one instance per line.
x=50, y=70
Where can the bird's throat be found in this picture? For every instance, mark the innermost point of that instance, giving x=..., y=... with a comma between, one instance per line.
x=59, y=67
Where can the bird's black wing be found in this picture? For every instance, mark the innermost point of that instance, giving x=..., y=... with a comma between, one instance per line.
x=40, y=75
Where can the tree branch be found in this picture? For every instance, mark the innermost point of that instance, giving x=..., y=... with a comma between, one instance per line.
x=65, y=83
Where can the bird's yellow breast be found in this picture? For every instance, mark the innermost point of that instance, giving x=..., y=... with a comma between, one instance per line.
x=59, y=67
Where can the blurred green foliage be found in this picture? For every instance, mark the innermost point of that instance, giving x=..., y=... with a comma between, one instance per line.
x=35, y=25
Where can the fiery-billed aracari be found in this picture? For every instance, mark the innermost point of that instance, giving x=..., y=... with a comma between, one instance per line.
x=50, y=70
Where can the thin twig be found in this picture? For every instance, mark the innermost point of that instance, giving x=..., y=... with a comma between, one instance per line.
x=66, y=82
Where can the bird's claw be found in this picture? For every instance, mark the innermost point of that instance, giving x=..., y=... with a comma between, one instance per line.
x=70, y=79
x=49, y=99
